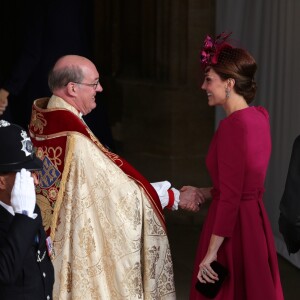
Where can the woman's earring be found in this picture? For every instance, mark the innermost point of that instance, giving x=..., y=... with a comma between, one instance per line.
x=227, y=93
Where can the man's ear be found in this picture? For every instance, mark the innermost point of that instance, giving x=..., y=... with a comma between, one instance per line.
x=71, y=88
x=2, y=182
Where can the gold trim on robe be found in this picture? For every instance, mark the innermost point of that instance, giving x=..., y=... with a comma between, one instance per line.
x=109, y=238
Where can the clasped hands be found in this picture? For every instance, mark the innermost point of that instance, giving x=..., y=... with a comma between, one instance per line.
x=191, y=198
x=188, y=198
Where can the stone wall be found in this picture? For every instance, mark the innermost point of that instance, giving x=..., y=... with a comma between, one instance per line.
x=148, y=54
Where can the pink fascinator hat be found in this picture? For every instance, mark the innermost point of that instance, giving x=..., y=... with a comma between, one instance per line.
x=212, y=47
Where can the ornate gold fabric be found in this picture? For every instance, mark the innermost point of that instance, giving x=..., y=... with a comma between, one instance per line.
x=109, y=243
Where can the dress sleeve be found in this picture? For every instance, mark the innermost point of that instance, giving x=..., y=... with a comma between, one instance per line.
x=231, y=155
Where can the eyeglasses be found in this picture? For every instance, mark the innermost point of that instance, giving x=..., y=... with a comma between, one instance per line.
x=93, y=85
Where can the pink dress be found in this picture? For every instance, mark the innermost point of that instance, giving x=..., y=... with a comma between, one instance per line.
x=237, y=161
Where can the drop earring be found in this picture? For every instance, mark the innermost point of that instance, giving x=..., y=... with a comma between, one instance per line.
x=227, y=93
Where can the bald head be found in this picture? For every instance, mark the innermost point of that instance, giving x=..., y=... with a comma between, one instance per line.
x=69, y=61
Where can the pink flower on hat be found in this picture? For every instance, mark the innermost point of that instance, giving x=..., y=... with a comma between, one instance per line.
x=211, y=49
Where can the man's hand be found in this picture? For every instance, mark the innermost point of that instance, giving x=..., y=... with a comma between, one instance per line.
x=191, y=198
x=23, y=196
x=3, y=100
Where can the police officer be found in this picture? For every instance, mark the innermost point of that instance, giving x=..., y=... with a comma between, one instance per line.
x=26, y=271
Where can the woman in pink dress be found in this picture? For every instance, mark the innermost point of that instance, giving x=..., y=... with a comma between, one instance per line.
x=236, y=232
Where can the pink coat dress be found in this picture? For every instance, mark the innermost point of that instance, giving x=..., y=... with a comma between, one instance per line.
x=237, y=161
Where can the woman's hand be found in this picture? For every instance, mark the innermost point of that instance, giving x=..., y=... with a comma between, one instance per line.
x=206, y=273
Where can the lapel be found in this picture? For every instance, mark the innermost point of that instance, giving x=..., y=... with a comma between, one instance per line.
x=5, y=218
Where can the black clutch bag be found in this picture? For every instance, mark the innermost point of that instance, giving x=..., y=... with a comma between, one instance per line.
x=210, y=290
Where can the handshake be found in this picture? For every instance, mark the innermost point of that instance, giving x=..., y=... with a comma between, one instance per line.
x=191, y=198
x=23, y=197
x=188, y=198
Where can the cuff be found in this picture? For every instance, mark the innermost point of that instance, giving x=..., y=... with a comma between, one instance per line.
x=176, y=198
x=27, y=213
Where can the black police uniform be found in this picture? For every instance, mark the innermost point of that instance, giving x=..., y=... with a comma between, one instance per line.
x=26, y=271
x=289, y=219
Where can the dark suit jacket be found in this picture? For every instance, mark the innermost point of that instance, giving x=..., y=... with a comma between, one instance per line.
x=22, y=243
x=289, y=220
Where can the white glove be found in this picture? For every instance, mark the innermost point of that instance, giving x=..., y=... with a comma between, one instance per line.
x=23, y=196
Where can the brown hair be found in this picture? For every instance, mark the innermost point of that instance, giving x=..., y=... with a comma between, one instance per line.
x=238, y=64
